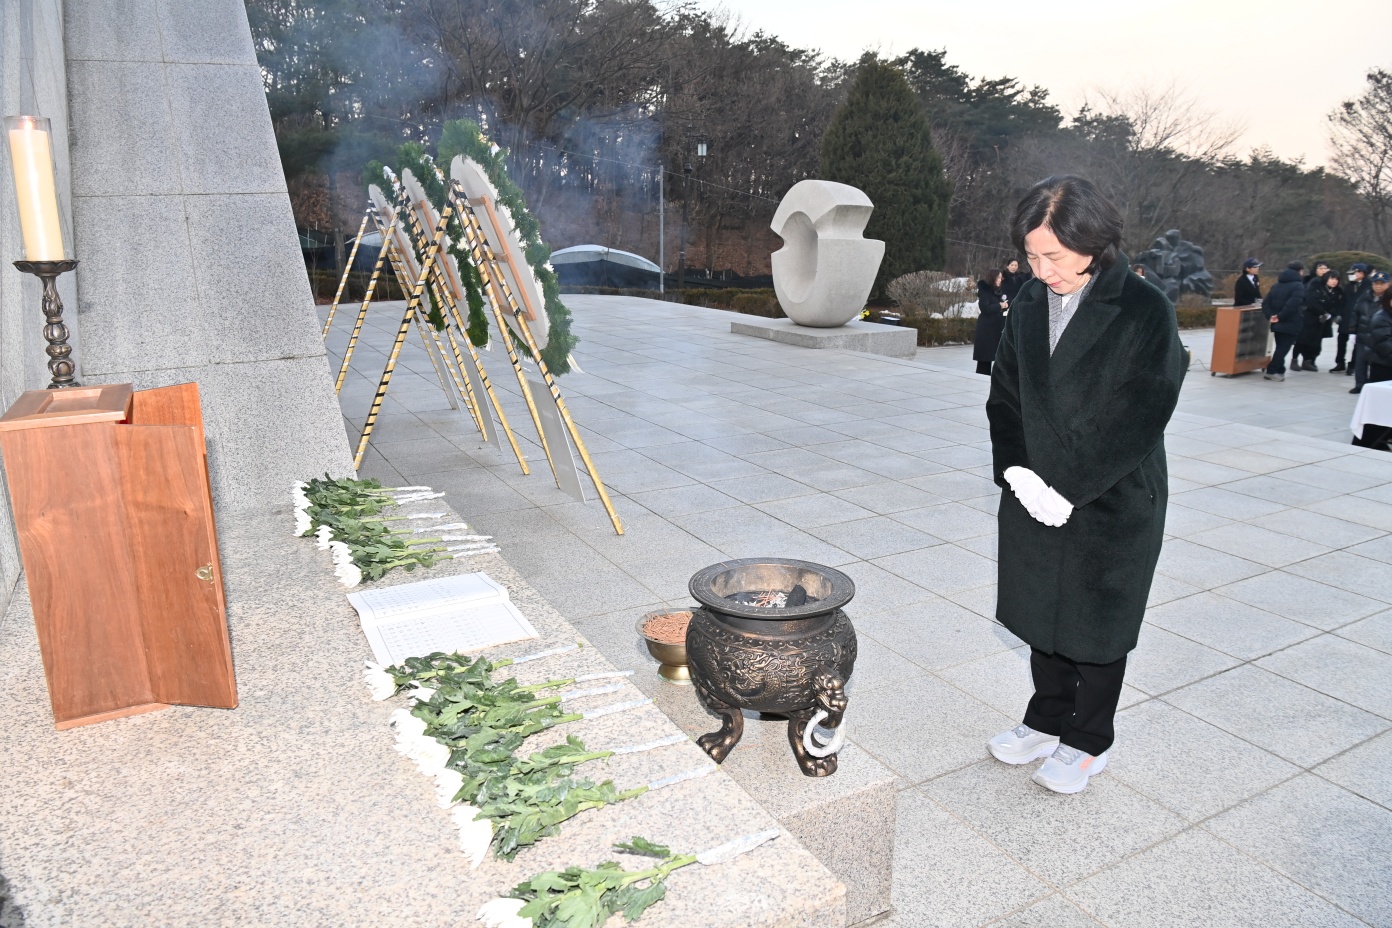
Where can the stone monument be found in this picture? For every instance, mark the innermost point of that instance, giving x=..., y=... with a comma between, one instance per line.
x=1178, y=264
x=824, y=271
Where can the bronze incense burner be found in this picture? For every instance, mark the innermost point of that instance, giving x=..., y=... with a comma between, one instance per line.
x=771, y=636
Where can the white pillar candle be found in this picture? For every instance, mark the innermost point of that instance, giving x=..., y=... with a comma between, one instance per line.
x=32, y=155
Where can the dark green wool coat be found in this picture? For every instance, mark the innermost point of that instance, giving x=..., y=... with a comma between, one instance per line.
x=1090, y=421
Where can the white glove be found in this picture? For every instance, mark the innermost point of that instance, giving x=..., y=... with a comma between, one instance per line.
x=1053, y=509
x=1040, y=500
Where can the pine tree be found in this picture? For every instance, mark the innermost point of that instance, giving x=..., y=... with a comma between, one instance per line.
x=879, y=141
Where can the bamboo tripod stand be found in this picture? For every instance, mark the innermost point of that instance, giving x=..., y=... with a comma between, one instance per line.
x=499, y=294
x=433, y=274
x=395, y=249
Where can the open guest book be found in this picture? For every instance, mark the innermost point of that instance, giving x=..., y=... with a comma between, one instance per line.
x=466, y=612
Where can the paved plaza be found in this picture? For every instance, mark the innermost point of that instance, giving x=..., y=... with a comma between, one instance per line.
x=1249, y=784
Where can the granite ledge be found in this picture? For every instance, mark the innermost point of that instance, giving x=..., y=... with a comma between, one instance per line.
x=294, y=807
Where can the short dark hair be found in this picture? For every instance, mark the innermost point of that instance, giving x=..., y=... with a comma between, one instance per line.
x=1083, y=219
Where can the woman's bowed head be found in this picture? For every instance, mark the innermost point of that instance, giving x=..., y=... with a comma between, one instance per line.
x=1068, y=232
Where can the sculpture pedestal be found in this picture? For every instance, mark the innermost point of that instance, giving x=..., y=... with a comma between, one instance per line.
x=890, y=340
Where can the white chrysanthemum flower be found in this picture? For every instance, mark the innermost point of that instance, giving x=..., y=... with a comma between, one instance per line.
x=325, y=535
x=502, y=913
x=342, y=554
x=421, y=693
x=350, y=576
x=448, y=783
x=405, y=724
x=431, y=756
x=297, y=493
x=475, y=834
x=381, y=683
x=303, y=525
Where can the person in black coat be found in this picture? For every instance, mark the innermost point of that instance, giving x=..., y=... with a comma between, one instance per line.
x=990, y=322
x=1284, y=307
x=1380, y=341
x=1247, y=290
x=1086, y=378
x=1324, y=302
x=1362, y=315
x=1012, y=279
x=1356, y=291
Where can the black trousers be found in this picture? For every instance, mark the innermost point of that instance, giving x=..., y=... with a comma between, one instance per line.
x=984, y=367
x=1342, y=345
x=1284, y=341
x=1075, y=701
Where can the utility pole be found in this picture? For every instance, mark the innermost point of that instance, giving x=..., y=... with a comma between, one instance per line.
x=661, y=229
x=686, y=200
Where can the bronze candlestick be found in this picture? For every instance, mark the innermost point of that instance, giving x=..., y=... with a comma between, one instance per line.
x=60, y=363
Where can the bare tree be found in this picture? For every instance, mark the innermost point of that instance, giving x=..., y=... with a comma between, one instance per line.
x=1361, y=136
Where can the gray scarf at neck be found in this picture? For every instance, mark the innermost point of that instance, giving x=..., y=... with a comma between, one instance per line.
x=1058, y=318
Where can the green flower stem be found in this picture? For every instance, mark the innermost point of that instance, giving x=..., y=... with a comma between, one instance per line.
x=661, y=870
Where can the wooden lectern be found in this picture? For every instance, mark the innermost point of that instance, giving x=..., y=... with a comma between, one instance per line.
x=1239, y=340
x=115, y=521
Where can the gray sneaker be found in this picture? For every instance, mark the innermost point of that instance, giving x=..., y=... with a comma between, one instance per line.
x=1276, y=377
x=1021, y=745
x=1067, y=769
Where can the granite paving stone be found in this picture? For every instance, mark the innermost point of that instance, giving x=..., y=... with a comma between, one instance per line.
x=1321, y=836
x=1062, y=838
x=1362, y=770
x=942, y=569
x=1374, y=631
x=1304, y=600
x=1050, y=912
x=1164, y=661
x=1341, y=668
x=1204, y=567
x=1350, y=572
x=936, y=633
x=947, y=875
x=920, y=727
x=873, y=537
x=948, y=521
x=1195, y=879
x=1227, y=625
x=1281, y=716
x=1158, y=747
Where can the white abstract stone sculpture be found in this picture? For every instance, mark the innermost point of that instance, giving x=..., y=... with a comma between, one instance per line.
x=825, y=269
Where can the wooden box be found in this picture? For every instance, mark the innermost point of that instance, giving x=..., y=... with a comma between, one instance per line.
x=115, y=521
x=1240, y=340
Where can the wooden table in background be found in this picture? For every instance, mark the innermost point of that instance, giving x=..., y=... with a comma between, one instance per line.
x=115, y=520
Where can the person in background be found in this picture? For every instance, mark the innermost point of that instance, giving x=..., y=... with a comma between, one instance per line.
x=1086, y=379
x=1247, y=290
x=1321, y=268
x=990, y=321
x=1380, y=285
x=1284, y=308
x=1380, y=342
x=1324, y=302
x=1358, y=289
x=1013, y=278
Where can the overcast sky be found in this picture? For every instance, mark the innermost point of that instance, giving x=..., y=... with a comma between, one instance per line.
x=1274, y=67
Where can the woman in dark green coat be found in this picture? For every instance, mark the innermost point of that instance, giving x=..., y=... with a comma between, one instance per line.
x=1086, y=378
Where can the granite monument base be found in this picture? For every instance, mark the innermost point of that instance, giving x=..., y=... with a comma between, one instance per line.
x=872, y=337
